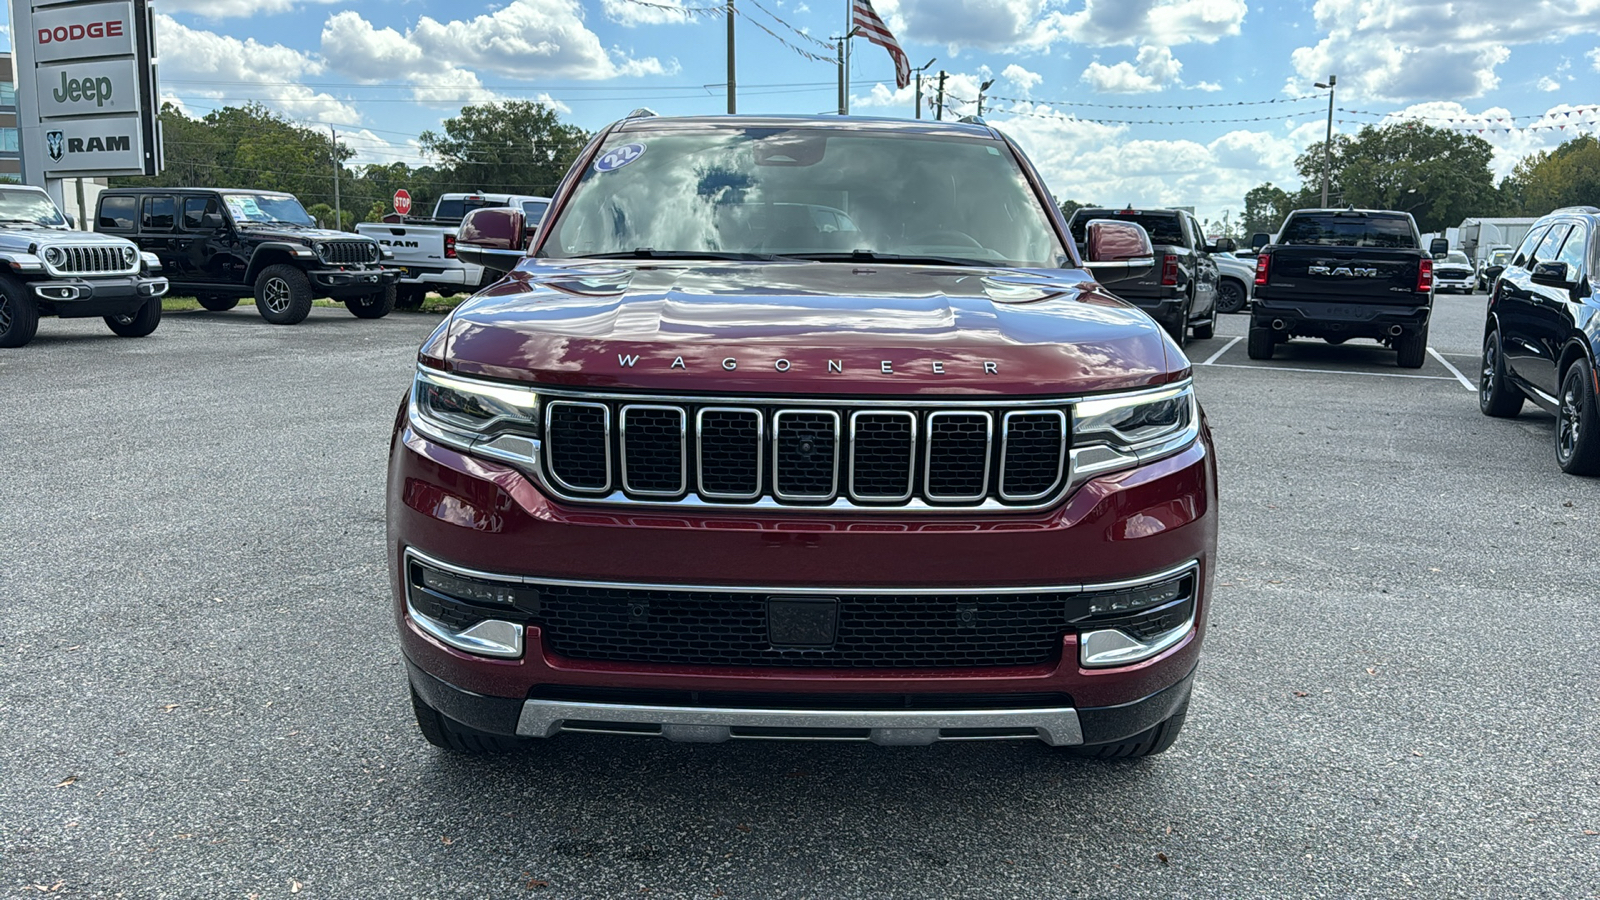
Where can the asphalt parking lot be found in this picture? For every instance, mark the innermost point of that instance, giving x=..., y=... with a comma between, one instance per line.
x=203, y=696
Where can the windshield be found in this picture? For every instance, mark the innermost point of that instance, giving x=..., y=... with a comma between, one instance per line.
x=1499, y=257
x=458, y=207
x=1456, y=257
x=272, y=209
x=30, y=206
x=1344, y=230
x=813, y=192
x=533, y=210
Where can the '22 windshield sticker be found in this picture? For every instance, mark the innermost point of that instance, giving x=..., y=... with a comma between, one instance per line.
x=618, y=157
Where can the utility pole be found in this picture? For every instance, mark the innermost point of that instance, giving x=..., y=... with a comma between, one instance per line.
x=919, y=72
x=1327, y=143
x=844, y=99
x=338, y=211
x=938, y=111
x=733, y=101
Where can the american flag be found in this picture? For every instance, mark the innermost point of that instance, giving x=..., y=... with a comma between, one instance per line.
x=873, y=29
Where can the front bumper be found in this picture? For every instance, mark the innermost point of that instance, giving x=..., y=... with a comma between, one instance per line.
x=461, y=277
x=482, y=516
x=110, y=296
x=1463, y=283
x=351, y=282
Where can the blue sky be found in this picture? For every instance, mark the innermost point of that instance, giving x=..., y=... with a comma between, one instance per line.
x=382, y=72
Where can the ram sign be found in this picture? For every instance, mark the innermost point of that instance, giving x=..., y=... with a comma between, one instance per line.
x=86, y=88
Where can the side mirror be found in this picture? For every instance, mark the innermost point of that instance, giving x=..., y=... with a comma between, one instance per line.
x=212, y=220
x=1493, y=272
x=494, y=237
x=1260, y=239
x=1438, y=247
x=71, y=222
x=1225, y=245
x=1117, y=251
x=1551, y=274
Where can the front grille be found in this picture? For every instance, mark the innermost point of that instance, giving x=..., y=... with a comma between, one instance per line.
x=93, y=260
x=882, y=631
x=804, y=456
x=349, y=253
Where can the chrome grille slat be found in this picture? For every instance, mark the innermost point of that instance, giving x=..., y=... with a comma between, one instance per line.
x=94, y=259
x=768, y=453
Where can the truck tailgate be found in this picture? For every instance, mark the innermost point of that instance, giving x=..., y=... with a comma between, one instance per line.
x=419, y=245
x=1345, y=274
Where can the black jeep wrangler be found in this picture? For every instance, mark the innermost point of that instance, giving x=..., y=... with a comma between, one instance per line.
x=222, y=245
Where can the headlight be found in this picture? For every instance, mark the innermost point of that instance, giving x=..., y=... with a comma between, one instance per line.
x=460, y=411
x=130, y=255
x=55, y=256
x=372, y=253
x=1110, y=433
x=322, y=251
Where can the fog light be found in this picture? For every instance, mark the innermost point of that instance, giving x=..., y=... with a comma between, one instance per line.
x=1128, y=625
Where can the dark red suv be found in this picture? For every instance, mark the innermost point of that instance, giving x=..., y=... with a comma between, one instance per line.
x=803, y=428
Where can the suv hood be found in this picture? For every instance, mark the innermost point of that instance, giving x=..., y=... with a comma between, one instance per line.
x=807, y=328
x=303, y=235
x=21, y=237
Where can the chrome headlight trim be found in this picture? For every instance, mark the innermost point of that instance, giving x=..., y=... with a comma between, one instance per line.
x=55, y=256
x=505, y=412
x=1121, y=431
x=130, y=255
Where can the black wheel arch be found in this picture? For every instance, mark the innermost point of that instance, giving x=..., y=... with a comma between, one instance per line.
x=271, y=254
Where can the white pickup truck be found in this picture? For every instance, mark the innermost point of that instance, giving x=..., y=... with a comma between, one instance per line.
x=424, y=247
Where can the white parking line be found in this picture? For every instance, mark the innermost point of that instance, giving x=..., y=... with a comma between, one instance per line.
x=1328, y=371
x=1225, y=348
x=1453, y=370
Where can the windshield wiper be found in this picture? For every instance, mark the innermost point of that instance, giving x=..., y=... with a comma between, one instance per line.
x=649, y=253
x=909, y=258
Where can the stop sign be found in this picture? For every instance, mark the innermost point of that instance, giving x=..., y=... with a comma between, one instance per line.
x=402, y=201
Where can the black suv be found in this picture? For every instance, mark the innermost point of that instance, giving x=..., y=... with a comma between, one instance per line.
x=1542, y=337
x=224, y=245
x=1181, y=292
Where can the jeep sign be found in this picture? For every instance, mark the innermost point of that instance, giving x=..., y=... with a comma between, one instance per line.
x=81, y=88
x=86, y=89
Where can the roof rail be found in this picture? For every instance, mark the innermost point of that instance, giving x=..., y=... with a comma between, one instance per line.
x=643, y=112
x=1575, y=209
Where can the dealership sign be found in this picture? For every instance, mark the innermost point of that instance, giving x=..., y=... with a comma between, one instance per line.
x=86, y=88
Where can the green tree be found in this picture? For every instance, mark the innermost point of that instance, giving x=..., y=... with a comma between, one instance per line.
x=1566, y=176
x=1265, y=207
x=1068, y=207
x=513, y=147
x=1437, y=175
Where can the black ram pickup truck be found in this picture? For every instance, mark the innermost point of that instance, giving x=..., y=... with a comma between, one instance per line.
x=1181, y=292
x=1338, y=274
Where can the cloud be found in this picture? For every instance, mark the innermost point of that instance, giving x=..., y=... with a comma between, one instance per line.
x=1021, y=78
x=1415, y=49
x=524, y=39
x=1153, y=70
x=1167, y=23
x=1594, y=58
x=231, y=9
x=1003, y=26
x=1512, y=137
x=659, y=12
x=220, y=67
x=1547, y=83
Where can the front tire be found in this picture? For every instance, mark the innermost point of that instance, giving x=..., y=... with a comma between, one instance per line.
x=410, y=296
x=1412, y=348
x=1179, y=327
x=1578, y=423
x=1259, y=345
x=1497, y=396
x=283, y=295
x=1230, y=296
x=19, y=314
x=138, y=323
x=1153, y=740
x=448, y=734
x=373, y=306
x=217, y=303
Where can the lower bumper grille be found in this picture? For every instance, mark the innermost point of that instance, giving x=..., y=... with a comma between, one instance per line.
x=872, y=631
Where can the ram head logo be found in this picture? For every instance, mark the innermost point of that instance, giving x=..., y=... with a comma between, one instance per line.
x=57, y=144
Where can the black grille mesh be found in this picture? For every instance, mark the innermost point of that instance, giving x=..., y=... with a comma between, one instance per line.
x=883, y=455
x=958, y=448
x=349, y=253
x=652, y=445
x=730, y=452
x=1034, y=449
x=805, y=454
x=874, y=631
x=578, y=451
